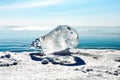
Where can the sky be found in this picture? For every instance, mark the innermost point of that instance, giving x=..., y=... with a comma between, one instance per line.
x=60, y=12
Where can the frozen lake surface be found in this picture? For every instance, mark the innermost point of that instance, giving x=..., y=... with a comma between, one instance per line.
x=89, y=38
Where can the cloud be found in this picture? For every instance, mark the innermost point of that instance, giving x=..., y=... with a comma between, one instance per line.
x=32, y=28
x=41, y=3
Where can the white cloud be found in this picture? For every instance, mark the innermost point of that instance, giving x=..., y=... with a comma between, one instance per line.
x=32, y=4
x=32, y=28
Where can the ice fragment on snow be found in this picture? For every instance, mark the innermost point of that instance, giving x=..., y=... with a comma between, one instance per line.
x=60, y=38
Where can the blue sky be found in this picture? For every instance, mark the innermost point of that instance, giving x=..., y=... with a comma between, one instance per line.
x=55, y=12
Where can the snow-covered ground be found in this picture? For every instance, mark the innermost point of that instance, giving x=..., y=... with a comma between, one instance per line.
x=82, y=64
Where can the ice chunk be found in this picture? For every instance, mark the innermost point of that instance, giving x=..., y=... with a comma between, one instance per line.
x=60, y=38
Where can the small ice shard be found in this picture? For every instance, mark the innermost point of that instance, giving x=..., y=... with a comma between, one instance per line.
x=7, y=60
x=44, y=61
x=61, y=38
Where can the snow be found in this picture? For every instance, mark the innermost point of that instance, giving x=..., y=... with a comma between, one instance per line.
x=99, y=65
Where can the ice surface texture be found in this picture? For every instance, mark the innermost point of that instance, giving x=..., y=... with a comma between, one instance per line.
x=60, y=38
